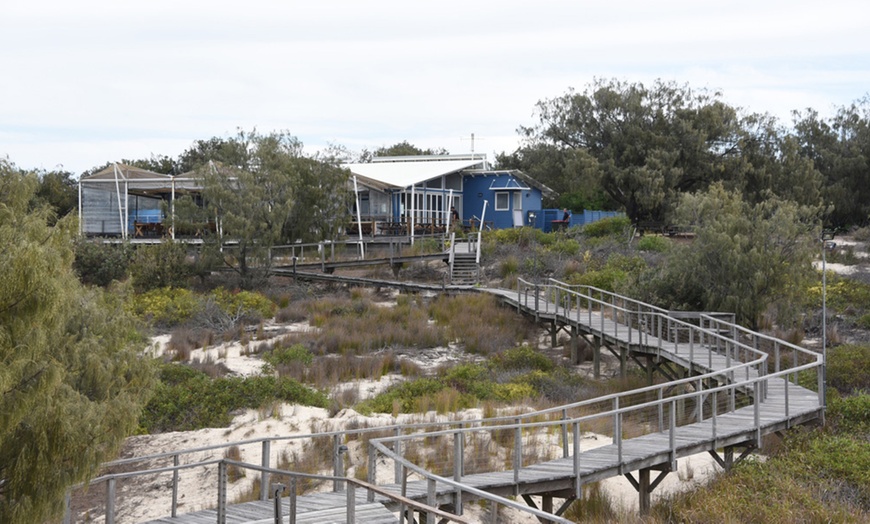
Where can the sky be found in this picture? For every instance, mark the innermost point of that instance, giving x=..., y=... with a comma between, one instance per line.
x=88, y=82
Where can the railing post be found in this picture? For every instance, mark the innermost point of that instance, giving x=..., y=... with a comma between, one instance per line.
x=575, y=429
x=175, y=462
x=278, y=510
x=372, y=471
x=264, y=475
x=292, y=501
x=661, y=407
x=715, y=410
x=757, y=416
x=458, y=466
x=565, y=452
x=110, y=501
x=222, y=493
x=672, y=436
x=338, y=451
x=351, y=504
x=397, y=449
x=67, y=508
x=431, y=498
x=518, y=452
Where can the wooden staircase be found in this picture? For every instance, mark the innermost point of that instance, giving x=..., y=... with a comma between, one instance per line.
x=465, y=270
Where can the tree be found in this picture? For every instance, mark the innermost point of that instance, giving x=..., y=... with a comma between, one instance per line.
x=403, y=148
x=58, y=190
x=272, y=194
x=643, y=146
x=745, y=257
x=71, y=381
x=840, y=149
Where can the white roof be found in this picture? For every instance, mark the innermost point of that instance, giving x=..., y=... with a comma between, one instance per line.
x=401, y=174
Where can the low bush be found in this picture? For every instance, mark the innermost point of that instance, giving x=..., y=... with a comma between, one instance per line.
x=610, y=226
x=244, y=304
x=165, y=306
x=186, y=399
x=160, y=265
x=656, y=244
x=100, y=264
x=848, y=368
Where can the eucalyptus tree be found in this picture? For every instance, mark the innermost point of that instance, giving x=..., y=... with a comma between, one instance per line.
x=746, y=257
x=265, y=192
x=840, y=149
x=72, y=382
x=641, y=146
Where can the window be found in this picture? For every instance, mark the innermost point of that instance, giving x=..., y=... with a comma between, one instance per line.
x=502, y=201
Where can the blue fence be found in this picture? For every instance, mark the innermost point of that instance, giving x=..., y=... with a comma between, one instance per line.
x=548, y=219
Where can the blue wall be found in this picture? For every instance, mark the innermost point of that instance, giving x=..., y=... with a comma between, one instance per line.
x=579, y=218
x=476, y=189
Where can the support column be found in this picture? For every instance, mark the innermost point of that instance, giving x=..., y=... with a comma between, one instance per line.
x=643, y=490
x=596, y=357
x=554, y=334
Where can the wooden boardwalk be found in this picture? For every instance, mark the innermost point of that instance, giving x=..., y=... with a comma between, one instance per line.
x=726, y=381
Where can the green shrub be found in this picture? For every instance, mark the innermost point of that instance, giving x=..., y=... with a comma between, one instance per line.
x=245, y=304
x=99, y=264
x=610, y=226
x=165, y=306
x=160, y=265
x=281, y=355
x=656, y=244
x=850, y=414
x=187, y=399
x=848, y=368
x=566, y=246
x=521, y=359
x=521, y=236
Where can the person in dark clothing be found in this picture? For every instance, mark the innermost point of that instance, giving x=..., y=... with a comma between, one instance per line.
x=454, y=214
x=566, y=215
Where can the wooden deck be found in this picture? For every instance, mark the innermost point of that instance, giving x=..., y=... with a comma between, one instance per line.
x=771, y=403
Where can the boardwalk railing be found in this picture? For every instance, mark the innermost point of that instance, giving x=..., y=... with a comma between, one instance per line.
x=745, y=384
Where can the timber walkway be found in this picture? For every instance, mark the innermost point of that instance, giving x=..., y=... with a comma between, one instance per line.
x=724, y=389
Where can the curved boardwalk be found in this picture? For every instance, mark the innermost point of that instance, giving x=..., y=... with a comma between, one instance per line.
x=724, y=388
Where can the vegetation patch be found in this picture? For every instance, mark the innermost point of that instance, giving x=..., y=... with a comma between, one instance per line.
x=186, y=399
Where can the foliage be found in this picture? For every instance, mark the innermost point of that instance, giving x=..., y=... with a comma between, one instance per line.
x=159, y=265
x=244, y=304
x=522, y=358
x=839, y=148
x=744, y=258
x=165, y=306
x=186, y=399
x=787, y=487
x=641, y=146
x=71, y=382
x=100, y=264
x=848, y=368
x=284, y=355
x=610, y=226
x=615, y=275
x=849, y=414
x=58, y=190
x=270, y=193
x=656, y=244
x=841, y=294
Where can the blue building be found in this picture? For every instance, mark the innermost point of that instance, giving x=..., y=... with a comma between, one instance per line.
x=401, y=192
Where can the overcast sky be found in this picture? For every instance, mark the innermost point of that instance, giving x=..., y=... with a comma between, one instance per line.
x=86, y=82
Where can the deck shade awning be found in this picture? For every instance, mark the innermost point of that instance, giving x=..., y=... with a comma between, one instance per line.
x=508, y=184
x=403, y=174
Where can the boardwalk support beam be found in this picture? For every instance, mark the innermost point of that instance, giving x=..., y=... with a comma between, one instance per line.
x=727, y=462
x=645, y=486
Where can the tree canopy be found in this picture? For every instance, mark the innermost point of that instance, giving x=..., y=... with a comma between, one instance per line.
x=265, y=191
x=71, y=381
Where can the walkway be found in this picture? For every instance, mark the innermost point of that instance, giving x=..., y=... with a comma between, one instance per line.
x=719, y=397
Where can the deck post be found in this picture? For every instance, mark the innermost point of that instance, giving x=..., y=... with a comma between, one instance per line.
x=596, y=357
x=292, y=502
x=277, y=510
x=404, y=493
x=643, y=491
x=372, y=471
x=67, y=498
x=518, y=454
